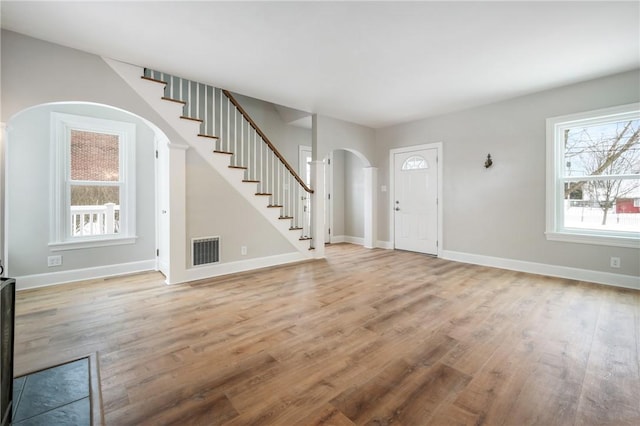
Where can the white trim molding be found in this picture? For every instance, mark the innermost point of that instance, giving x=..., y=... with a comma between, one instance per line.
x=606, y=278
x=216, y=270
x=62, y=277
x=370, y=206
x=336, y=239
x=387, y=245
x=557, y=178
x=62, y=125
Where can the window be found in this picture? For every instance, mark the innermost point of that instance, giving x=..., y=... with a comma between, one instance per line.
x=93, y=182
x=415, y=162
x=593, y=177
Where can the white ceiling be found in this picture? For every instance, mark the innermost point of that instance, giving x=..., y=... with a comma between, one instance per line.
x=372, y=63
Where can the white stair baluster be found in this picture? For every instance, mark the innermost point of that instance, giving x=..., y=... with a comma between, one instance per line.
x=242, y=161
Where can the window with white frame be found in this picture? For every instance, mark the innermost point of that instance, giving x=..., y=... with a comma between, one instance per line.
x=93, y=182
x=593, y=177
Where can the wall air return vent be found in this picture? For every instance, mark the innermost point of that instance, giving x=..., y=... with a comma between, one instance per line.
x=205, y=251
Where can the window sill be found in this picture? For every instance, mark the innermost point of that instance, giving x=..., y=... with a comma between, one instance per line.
x=92, y=243
x=603, y=240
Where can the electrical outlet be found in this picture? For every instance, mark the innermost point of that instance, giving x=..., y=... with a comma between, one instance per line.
x=615, y=262
x=54, y=261
x=243, y=250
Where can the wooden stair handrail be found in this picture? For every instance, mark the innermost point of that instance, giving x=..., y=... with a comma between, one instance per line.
x=267, y=141
x=253, y=124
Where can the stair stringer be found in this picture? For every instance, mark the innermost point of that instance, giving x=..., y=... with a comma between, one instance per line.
x=152, y=93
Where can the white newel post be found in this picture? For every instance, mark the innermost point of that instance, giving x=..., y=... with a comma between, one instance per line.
x=370, y=207
x=177, y=214
x=317, y=207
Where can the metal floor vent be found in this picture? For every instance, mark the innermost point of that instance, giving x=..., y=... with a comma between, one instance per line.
x=205, y=250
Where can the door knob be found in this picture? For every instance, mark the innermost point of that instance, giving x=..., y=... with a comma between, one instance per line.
x=397, y=208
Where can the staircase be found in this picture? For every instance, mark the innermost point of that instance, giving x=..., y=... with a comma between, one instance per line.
x=224, y=134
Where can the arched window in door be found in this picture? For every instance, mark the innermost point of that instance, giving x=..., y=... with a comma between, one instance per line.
x=415, y=162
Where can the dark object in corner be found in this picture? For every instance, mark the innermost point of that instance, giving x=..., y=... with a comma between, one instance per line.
x=488, y=162
x=7, y=302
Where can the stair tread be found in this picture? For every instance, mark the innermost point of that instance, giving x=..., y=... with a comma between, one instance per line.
x=164, y=98
x=153, y=79
x=202, y=135
x=293, y=227
x=191, y=118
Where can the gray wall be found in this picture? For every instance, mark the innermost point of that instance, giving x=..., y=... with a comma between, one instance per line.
x=501, y=211
x=353, y=196
x=28, y=174
x=35, y=72
x=285, y=137
x=331, y=134
x=353, y=147
x=496, y=212
x=213, y=209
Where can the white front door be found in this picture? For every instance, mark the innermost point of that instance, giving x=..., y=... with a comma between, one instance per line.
x=415, y=203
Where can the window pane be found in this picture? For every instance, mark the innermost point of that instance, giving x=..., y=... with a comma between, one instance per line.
x=415, y=162
x=95, y=210
x=609, y=205
x=603, y=149
x=94, y=156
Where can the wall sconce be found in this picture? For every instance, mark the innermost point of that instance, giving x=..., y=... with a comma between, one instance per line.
x=488, y=162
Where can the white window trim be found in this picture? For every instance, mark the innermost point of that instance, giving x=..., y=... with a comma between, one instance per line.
x=59, y=232
x=555, y=188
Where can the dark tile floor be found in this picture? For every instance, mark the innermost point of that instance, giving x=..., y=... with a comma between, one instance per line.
x=55, y=396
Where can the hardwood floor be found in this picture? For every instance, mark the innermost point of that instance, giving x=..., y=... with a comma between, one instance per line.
x=363, y=337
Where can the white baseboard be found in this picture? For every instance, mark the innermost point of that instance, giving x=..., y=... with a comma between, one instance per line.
x=337, y=239
x=360, y=241
x=607, y=278
x=353, y=240
x=52, y=278
x=388, y=245
x=210, y=271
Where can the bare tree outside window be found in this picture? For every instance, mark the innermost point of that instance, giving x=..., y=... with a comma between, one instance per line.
x=605, y=160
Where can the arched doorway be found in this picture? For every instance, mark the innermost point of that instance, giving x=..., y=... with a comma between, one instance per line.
x=36, y=162
x=351, y=200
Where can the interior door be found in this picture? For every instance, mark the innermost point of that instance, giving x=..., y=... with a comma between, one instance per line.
x=415, y=205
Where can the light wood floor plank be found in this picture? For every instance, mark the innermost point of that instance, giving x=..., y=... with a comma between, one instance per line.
x=362, y=337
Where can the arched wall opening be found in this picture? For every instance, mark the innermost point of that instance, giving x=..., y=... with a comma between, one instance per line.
x=29, y=158
x=350, y=207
